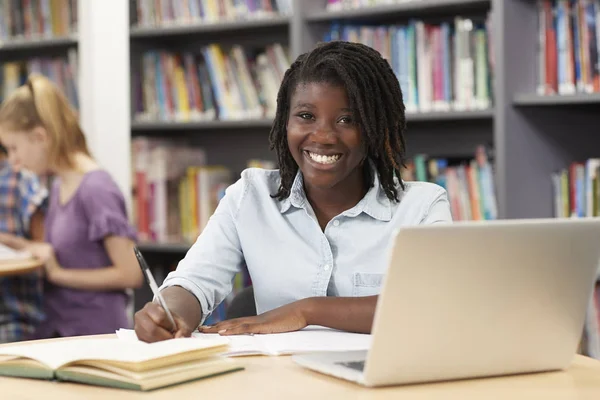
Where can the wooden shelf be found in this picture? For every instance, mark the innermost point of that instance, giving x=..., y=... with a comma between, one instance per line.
x=410, y=8
x=142, y=126
x=534, y=100
x=164, y=248
x=137, y=32
x=450, y=116
x=37, y=44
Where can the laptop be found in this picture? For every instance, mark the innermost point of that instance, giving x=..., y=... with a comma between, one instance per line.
x=476, y=299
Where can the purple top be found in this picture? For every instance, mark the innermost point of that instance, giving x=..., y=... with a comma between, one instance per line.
x=76, y=231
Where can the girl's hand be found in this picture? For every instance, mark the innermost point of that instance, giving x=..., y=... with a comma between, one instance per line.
x=287, y=318
x=45, y=253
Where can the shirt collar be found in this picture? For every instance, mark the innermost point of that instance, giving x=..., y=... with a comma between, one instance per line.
x=375, y=203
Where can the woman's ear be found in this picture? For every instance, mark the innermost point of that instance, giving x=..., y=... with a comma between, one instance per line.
x=39, y=134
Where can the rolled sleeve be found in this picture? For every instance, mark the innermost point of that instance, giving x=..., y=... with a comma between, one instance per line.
x=209, y=267
x=439, y=210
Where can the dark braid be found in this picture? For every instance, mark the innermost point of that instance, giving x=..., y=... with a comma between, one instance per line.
x=373, y=91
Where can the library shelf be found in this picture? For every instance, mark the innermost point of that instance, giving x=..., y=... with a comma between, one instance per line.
x=409, y=9
x=174, y=248
x=249, y=25
x=534, y=100
x=467, y=115
x=149, y=126
x=37, y=43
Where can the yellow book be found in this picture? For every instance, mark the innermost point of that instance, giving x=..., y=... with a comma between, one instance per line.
x=117, y=363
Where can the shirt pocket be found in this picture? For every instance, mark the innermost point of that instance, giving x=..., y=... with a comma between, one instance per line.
x=366, y=284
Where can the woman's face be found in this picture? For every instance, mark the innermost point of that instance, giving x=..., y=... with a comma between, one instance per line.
x=323, y=136
x=27, y=150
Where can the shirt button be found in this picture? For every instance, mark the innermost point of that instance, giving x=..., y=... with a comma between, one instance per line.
x=336, y=223
x=326, y=267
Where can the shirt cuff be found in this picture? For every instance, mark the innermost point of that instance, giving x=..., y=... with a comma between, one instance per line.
x=193, y=289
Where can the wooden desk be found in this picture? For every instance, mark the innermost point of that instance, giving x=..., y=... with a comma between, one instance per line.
x=19, y=267
x=280, y=378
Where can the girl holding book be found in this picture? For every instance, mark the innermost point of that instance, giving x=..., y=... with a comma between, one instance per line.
x=88, y=250
x=314, y=233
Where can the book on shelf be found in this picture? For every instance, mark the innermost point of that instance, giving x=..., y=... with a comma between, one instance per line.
x=469, y=184
x=445, y=66
x=177, y=12
x=576, y=189
x=568, y=56
x=63, y=71
x=117, y=363
x=213, y=83
x=31, y=19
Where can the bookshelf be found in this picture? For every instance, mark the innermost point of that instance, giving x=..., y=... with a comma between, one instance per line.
x=531, y=136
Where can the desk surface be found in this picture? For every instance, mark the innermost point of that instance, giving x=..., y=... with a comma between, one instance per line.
x=280, y=378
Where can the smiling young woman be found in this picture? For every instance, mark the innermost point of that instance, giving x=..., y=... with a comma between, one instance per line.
x=313, y=233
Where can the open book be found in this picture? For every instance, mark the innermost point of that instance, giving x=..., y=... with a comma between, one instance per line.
x=14, y=262
x=308, y=340
x=117, y=363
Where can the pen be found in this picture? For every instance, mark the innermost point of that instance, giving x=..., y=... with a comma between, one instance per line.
x=153, y=285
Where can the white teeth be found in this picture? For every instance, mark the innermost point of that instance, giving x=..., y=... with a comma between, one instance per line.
x=322, y=159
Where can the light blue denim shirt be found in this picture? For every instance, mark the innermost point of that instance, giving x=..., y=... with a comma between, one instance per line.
x=287, y=254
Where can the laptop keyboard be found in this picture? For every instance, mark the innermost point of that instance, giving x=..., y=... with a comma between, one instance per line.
x=357, y=365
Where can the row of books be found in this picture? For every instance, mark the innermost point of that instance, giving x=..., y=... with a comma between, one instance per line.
x=215, y=83
x=31, y=19
x=577, y=190
x=337, y=5
x=441, y=67
x=470, y=184
x=167, y=12
x=568, y=56
x=63, y=71
x=175, y=190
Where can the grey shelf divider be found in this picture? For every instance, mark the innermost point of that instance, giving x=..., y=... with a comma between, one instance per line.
x=14, y=45
x=143, y=126
x=405, y=9
x=248, y=25
x=526, y=99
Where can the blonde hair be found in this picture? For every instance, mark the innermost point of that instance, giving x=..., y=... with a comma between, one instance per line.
x=39, y=103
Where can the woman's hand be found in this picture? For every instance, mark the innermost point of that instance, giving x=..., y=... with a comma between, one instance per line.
x=153, y=325
x=45, y=253
x=291, y=317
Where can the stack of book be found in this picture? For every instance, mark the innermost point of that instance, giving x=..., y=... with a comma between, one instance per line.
x=577, y=190
x=568, y=56
x=29, y=19
x=441, y=67
x=213, y=84
x=171, y=12
x=63, y=71
x=470, y=184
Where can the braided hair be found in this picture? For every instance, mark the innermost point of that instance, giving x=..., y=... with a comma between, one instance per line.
x=373, y=91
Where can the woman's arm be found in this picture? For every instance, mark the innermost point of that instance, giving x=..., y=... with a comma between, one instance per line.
x=124, y=273
x=352, y=314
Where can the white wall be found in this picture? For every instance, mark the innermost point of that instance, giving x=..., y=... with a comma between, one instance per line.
x=104, y=86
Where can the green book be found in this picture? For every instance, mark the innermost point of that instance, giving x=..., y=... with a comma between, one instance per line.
x=111, y=362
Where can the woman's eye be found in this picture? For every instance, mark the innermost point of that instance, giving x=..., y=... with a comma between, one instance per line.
x=305, y=116
x=346, y=120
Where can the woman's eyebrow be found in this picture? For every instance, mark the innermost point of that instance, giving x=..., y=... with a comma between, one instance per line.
x=304, y=105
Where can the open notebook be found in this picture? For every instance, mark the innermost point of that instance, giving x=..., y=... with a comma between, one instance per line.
x=15, y=262
x=117, y=363
x=307, y=340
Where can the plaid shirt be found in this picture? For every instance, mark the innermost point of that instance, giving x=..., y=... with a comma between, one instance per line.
x=21, y=194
